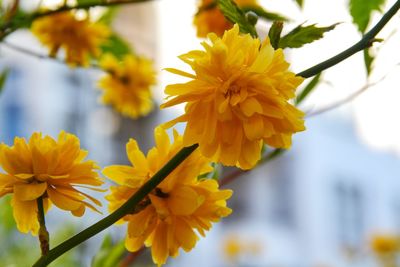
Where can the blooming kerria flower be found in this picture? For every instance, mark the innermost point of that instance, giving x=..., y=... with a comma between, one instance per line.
x=126, y=85
x=210, y=18
x=179, y=207
x=237, y=99
x=50, y=169
x=79, y=38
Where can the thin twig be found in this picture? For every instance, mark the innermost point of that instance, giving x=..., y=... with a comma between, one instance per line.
x=87, y=5
x=347, y=99
x=38, y=55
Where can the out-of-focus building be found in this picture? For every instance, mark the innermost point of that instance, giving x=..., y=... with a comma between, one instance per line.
x=316, y=205
x=319, y=204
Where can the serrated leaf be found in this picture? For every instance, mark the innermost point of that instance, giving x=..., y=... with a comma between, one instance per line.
x=235, y=15
x=109, y=254
x=361, y=11
x=368, y=60
x=262, y=13
x=274, y=33
x=301, y=2
x=308, y=89
x=3, y=78
x=116, y=46
x=302, y=35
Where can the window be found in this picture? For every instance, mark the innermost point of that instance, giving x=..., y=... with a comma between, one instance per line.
x=350, y=215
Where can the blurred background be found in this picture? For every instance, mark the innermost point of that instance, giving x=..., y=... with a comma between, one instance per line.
x=319, y=205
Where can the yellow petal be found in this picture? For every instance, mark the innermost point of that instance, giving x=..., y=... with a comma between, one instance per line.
x=62, y=201
x=162, y=140
x=6, y=180
x=250, y=106
x=79, y=212
x=183, y=200
x=25, y=215
x=185, y=235
x=179, y=72
x=24, y=192
x=123, y=175
x=139, y=222
x=254, y=127
x=136, y=157
x=133, y=244
x=159, y=249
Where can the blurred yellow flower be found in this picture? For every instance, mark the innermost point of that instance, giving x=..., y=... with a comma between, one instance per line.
x=210, y=18
x=127, y=85
x=232, y=248
x=79, y=38
x=181, y=205
x=237, y=98
x=385, y=244
x=235, y=246
x=49, y=169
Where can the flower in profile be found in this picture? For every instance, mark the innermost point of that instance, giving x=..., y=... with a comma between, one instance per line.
x=79, y=38
x=126, y=85
x=209, y=17
x=237, y=98
x=48, y=169
x=169, y=217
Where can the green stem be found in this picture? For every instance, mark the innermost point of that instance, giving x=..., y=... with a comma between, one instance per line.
x=87, y=5
x=126, y=208
x=366, y=41
x=43, y=233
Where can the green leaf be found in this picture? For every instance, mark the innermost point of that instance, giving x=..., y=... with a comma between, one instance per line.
x=274, y=33
x=368, y=60
x=108, y=16
x=234, y=14
x=302, y=35
x=207, y=7
x=262, y=13
x=109, y=254
x=361, y=11
x=116, y=46
x=301, y=2
x=3, y=78
x=308, y=89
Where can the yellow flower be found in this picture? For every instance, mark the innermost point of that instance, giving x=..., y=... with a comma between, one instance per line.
x=168, y=218
x=49, y=169
x=232, y=248
x=210, y=18
x=79, y=38
x=127, y=84
x=237, y=99
x=385, y=244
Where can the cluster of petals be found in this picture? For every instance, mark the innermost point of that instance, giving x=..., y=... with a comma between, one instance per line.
x=237, y=99
x=48, y=169
x=181, y=207
x=80, y=38
x=210, y=18
x=126, y=86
